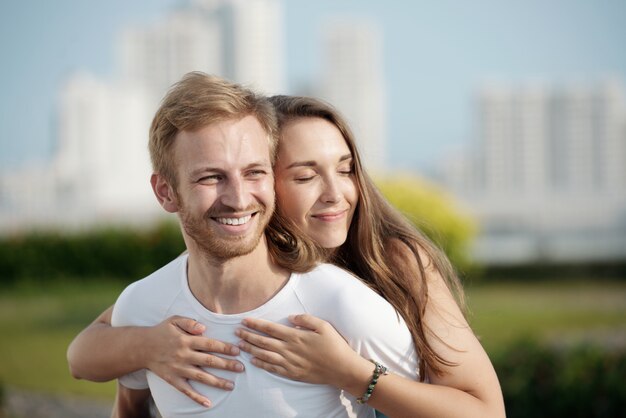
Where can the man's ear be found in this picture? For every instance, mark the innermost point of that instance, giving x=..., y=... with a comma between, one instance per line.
x=164, y=193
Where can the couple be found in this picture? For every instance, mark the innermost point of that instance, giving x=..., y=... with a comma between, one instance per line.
x=275, y=333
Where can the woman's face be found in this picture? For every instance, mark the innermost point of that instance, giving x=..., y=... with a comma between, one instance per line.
x=315, y=184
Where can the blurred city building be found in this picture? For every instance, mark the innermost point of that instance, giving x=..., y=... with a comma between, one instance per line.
x=546, y=175
x=100, y=169
x=352, y=79
x=241, y=40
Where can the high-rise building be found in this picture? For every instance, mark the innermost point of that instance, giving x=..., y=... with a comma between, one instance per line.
x=512, y=156
x=353, y=81
x=564, y=141
x=241, y=40
x=100, y=170
x=102, y=165
x=547, y=174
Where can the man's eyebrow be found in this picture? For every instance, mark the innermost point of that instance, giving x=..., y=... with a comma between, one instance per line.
x=210, y=169
x=203, y=170
x=313, y=163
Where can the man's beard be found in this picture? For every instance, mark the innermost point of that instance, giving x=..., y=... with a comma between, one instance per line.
x=223, y=247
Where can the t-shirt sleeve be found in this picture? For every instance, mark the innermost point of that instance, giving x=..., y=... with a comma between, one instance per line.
x=125, y=314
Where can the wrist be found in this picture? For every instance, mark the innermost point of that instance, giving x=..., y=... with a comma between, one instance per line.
x=140, y=352
x=359, y=377
x=379, y=371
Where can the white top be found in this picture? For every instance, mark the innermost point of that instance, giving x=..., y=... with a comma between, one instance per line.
x=368, y=322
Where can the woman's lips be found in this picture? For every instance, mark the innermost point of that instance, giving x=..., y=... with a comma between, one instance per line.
x=330, y=216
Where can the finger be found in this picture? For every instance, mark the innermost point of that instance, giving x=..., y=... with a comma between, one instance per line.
x=183, y=386
x=190, y=326
x=272, y=368
x=269, y=357
x=273, y=329
x=209, y=345
x=267, y=343
x=215, y=362
x=307, y=321
x=199, y=375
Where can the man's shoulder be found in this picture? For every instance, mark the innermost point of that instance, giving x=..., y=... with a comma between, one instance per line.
x=330, y=270
x=332, y=277
x=328, y=286
x=145, y=301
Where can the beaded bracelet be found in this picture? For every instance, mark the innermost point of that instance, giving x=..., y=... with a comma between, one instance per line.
x=379, y=370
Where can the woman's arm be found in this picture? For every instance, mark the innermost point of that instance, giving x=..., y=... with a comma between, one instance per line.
x=173, y=350
x=315, y=352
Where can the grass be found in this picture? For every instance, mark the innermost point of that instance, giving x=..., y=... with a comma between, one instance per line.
x=38, y=322
x=558, y=311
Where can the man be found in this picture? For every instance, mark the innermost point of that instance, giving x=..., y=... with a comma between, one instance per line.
x=212, y=146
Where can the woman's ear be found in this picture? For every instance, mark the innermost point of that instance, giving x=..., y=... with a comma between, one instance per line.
x=164, y=193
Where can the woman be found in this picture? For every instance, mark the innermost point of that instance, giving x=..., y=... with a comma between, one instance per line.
x=319, y=181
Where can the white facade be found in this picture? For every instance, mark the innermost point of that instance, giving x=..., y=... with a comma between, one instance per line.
x=258, y=53
x=353, y=81
x=512, y=137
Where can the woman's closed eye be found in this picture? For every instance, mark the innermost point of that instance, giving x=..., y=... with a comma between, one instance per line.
x=346, y=170
x=305, y=177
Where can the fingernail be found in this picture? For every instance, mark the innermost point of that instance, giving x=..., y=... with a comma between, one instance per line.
x=234, y=350
x=239, y=367
x=230, y=386
x=244, y=322
x=238, y=332
x=206, y=404
x=198, y=327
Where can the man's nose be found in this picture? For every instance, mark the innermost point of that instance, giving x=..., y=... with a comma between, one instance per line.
x=236, y=194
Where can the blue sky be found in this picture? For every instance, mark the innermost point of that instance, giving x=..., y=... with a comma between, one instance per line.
x=436, y=56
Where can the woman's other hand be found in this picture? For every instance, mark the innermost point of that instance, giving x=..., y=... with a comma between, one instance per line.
x=312, y=351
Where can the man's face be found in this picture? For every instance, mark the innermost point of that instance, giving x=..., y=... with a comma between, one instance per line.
x=225, y=192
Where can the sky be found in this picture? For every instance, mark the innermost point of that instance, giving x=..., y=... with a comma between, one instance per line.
x=436, y=56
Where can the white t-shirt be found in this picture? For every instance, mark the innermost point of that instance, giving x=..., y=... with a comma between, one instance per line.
x=368, y=322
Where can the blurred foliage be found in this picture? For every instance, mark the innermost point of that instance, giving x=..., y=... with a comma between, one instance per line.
x=134, y=253
x=106, y=252
x=546, y=381
x=435, y=213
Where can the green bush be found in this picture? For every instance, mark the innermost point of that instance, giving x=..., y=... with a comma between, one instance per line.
x=107, y=252
x=2, y=398
x=434, y=213
x=541, y=381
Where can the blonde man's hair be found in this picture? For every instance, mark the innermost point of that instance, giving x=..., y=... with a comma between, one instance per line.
x=199, y=100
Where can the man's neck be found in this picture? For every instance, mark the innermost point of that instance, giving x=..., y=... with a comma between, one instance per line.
x=236, y=285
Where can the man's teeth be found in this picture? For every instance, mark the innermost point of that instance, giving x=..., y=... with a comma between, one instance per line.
x=234, y=221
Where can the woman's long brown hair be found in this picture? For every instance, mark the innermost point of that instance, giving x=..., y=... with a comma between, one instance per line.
x=373, y=250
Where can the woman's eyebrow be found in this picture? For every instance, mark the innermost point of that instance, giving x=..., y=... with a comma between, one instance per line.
x=302, y=164
x=313, y=163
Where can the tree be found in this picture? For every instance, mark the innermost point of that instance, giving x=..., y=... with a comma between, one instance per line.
x=433, y=212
